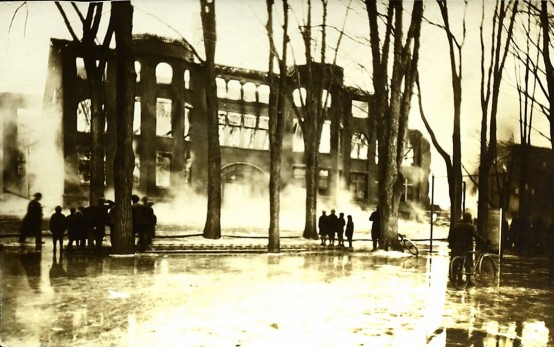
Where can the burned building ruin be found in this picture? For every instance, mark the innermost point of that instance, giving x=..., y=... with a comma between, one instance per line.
x=170, y=138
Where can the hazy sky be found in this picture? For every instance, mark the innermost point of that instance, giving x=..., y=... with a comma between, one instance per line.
x=242, y=42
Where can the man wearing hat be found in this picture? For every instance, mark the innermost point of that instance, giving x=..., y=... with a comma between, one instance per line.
x=32, y=222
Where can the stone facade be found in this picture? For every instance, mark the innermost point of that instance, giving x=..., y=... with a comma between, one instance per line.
x=170, y=137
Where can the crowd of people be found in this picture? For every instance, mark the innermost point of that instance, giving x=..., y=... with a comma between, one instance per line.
x=331, y=227
x=86, y=226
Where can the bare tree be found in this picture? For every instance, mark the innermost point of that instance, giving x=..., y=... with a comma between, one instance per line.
x=316, y=80
x=527, y=55
x=212, y=228
x=95, y=59
x=391, y=102
x=491, y=79
x=123, y=238
x=277, y=97
x=546, y=27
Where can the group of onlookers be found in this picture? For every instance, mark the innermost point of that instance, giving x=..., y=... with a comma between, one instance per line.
x=87, y=225
x=331, y=227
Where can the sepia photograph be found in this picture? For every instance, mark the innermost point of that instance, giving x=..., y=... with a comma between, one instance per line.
x=251, y=173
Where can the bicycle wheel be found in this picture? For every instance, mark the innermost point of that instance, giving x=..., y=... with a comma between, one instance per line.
x=486, y=269
x=458, y=276
x=410, y=247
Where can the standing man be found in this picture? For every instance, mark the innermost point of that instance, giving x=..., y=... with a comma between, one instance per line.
x=349, y=231
x=323, y=226
x=32, y=222
x=333, y=224
x=100, y=218
x=375, y=218
x=340, y=229
x=460, y=240
x=151, y=221
x=140, y=222
x=58, y=224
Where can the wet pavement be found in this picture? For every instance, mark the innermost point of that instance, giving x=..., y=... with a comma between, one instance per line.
x=305, y=296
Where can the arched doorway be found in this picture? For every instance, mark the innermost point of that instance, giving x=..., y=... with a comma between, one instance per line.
x=244, y=181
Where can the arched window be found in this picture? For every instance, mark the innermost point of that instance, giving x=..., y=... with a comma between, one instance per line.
x=186, y=77
x=298, y=137
x=249, y=90
x=263, y=94
x=164, y=73
x=359, y=146
x=221, y=87
x=325, y=144
x=137, y=70
x=299, y=97
x=234, y=90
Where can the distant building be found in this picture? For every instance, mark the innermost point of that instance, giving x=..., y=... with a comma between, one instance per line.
x=17, y=114
x=170, y=138
x=539, y=188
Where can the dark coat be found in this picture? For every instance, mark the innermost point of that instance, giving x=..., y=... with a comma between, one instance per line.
x=461, y=237
x=349, y=229
x=323, y=225
x=75, y=225
x=58, y=223
x=376, y=225
x=32, y=221
x=341, y=223
x=333, y=222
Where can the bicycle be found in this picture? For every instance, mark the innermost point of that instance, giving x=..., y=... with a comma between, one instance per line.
x=484, y=270
x=408, y=245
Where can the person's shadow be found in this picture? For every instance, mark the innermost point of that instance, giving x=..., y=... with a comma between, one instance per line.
x=57, y=272
x=31, y=265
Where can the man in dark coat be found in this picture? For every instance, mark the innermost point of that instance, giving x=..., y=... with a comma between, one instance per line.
x=140, y=222
x=151, y=221
x=333, y=222
x=460, y=239
x=323, y=227
x=349, y=230
x=57, y=227
x=100, y=218
x=340, y=230
x=375, y=218
x=75, y=228
x=31, y=224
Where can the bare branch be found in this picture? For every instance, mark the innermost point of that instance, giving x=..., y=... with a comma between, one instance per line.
x=15, y=13
x=66, y=21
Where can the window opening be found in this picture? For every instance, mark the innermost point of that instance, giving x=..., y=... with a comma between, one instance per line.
x=164, y=73
x=163, y=173
x=163, y=117
x=234, y=90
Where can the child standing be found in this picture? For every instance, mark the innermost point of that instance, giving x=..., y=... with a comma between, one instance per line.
x=57, y=227
x=349, y=232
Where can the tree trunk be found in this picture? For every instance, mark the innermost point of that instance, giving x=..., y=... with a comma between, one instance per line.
x=122, y=237
x=549, y=69
x=212, y=228
x=310, y=158
x=489, y=106
x=392, y=105
x=98, y=123
x=276, y=125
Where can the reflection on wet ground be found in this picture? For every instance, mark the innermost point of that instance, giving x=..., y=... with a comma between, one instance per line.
x=319, y=298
